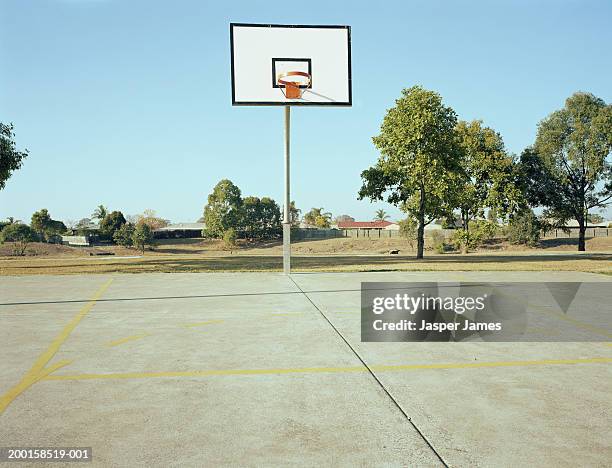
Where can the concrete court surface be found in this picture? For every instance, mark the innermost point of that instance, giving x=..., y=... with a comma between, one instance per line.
x=257, y=369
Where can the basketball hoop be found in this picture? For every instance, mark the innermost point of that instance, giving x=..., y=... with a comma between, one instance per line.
x=294, y=88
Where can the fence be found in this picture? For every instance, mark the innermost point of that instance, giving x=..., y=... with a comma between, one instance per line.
x=573, y=233
x=300, y=234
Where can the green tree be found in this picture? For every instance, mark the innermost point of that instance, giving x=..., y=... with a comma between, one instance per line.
x=100, y=213
x=40, y=222
x=294, y=215
x=408, y=230
x=252, y=213
x=317, y=217
x=150, y=217
x=419, y=164
x=224, y=209
x=45, y=227
x=270, y=218
x=10, y=158
x=20, y=234
x=124, y=235
x=381, y=215
x=229, y=238
x=490, y=179
x=142, y=237
x=568, y=170
x=111, y=222
x=594, y=218
x=524, y=228
x=344, y=219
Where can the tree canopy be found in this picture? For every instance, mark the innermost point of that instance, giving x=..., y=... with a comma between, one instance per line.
x=11, y=159
x=568, y=170
x=46, y=227
x=419, y=164
x=318, y=218
x=111, y=223
x=224, y=209
x=489, y=174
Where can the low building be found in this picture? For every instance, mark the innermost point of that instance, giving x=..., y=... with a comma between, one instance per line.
x=369, y=225
x=77, y=241
x=180, y=231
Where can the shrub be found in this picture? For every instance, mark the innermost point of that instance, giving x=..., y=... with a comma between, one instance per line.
x=111, y=223
x=229, y=237
x=20, y=234
x=124, y=235
x=142, y=237
x=408, y=230
x=465, y=240
x=438, y=241
x=483, y=229
x=524, y=228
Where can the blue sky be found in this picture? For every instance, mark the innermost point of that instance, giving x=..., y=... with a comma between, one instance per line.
x=127, y=103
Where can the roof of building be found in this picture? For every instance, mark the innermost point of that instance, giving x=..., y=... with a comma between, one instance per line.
x=364, y=224
x=183, y=227
x=572, y=223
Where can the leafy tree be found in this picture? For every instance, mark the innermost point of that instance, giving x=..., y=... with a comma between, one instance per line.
x=524, y=228
x=124, y=235
x=490, y=179
x=294, y=215
x=84, y=227
x=568, y=170
x=270, y=218
x=252, y=214
x=20, y=234
x=594, y=218
x=229, y=238
x=40, y=221
x=408, y=230
x=418, y=167
x=438, y=241
x=479, y=230
x=142, y=237
x=10, y=158
x=111, y=222
x=100, y=212
x=344, y=219
x=46, y=227
x=150, y=217
x=316, y=217
x=224, y=209
x=381, y=215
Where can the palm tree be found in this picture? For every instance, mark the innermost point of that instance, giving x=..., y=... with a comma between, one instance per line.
x=381, y=215
x=100, y=212
x=316, y=217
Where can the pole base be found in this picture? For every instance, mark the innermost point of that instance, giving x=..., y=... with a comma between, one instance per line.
x=286, y=248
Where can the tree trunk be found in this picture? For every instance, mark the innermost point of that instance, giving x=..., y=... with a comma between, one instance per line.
x=421, y=227
x=581, y=235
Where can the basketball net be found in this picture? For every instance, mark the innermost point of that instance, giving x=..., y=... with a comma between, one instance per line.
x=292, y=89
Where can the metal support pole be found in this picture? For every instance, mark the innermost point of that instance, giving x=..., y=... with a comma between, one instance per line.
x=287, y=205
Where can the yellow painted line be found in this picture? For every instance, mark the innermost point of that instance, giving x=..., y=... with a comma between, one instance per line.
x=330, y=370
x=199, y=324
x=127, y=339
x=38, y=370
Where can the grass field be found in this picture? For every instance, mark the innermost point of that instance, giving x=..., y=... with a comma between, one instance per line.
x=196, y=255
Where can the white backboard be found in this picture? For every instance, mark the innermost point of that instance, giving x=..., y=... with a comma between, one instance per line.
x=260, y=52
